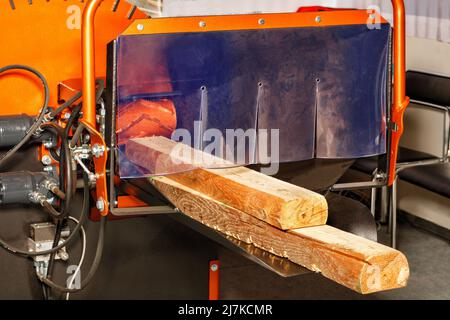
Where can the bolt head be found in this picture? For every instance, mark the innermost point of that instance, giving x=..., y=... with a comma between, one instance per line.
x=140, y=27
x=100, y=204
x=97, y=150
x=92, y=177
x=46, y=160
x=202, y=24
x=261, y=21
x=63, y=255
x=86, y=137
x=214, y=267
x=48, y=144
x=318, y=19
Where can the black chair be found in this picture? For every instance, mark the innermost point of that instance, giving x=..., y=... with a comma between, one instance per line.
x=429, y=168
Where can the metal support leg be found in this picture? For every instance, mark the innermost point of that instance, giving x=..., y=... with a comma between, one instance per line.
x=384, y=205
x=393, y=215
x=373, y=202
x=373, y=198
x=214, y=266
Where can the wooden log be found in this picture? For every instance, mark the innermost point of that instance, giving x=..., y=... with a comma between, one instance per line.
x=276, y=202
x=357, y=263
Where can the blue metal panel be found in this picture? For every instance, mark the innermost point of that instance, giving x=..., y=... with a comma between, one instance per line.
x=324, y=88
x=351, y=93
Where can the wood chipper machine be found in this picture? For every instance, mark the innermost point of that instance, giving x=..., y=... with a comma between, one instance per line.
x=239, y=126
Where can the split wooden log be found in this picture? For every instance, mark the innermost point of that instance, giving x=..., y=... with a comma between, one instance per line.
x=276, y=202
x=357, y=263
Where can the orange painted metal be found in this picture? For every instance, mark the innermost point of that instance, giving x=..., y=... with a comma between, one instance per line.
x=250, y=22
x=47, y=36
x=89, y=103
x=400, y=101
x=214, y=269
x=43, y=151
x=68, y=88
x=101, y=190
x=88, y=58
x=130, y=202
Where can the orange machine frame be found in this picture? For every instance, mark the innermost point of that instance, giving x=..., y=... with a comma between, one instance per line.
x=46, y=35
x=234, y=22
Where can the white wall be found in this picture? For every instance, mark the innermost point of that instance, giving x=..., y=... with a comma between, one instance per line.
x=428, y=55
x=424, y=18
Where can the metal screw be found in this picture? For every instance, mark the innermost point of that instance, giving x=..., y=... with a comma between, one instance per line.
x=202, y=24
x=48, y=144
x=100, y=204
x=46, y=160
x=63, y=255
x=92, y=177
x=261, y=21
x=140, y=27
x=318, y=19
x=48, y=168
x=214, y=267
x=98, y=150
x=86, y=137
x=67, y=115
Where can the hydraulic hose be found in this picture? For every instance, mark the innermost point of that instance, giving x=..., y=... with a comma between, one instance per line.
x=37, y=123
x=83, y=217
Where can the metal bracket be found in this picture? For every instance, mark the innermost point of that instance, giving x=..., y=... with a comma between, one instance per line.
x=41, y=238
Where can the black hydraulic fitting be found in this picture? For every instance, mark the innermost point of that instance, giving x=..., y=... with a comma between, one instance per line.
x=13, y=128
x=23, y=187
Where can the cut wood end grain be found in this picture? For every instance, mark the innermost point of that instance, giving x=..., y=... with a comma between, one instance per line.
x=276, y=202
x=390, y=271
x=384, y=268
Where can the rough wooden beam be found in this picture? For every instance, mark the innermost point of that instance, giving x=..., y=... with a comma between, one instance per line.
x=276, y=202
x=357, y=263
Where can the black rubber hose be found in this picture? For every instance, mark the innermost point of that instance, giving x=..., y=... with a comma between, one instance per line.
x=100, y=89
x=71, y=188
x=94, y=266
x=66, y=175
x=57, y=238
x=55, y=154
x=44, y=291
x=45, y=288
x=83, y=217
x=38, y=121
x=51, y=262
x=74, y=117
